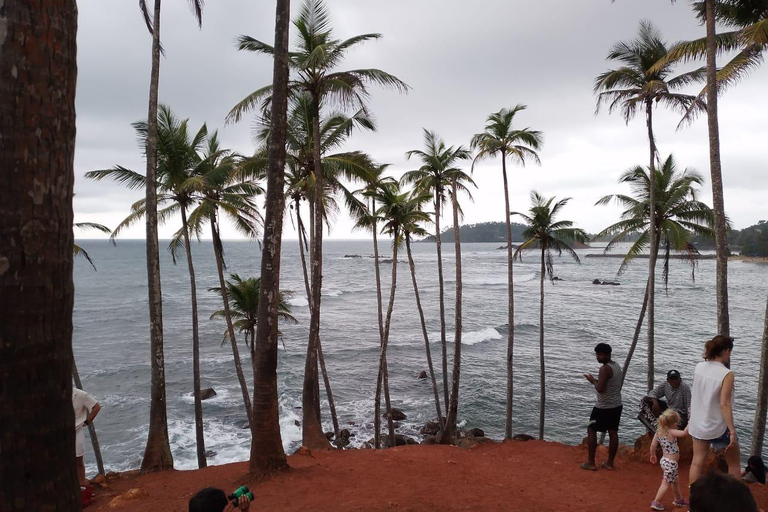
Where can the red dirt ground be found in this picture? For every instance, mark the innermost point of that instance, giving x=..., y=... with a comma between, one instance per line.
x=521, y=476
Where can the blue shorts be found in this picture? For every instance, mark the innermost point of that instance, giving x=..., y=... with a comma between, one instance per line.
x=719, y=443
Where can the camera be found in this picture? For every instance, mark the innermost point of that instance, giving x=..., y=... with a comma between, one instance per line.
x=239, y=492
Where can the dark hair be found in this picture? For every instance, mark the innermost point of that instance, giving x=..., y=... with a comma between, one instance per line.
x=716, y=346
x=209, y=499
x=716, y=492
x=757, y=468
x=603, y=348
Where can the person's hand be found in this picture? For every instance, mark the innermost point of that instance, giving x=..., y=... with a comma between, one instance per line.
x=590, y=378
x=734, y=441
x=243, y=503
x=653, y=458
x=655, y=407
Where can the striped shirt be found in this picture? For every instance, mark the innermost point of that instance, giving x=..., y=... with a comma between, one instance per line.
x=611, y=397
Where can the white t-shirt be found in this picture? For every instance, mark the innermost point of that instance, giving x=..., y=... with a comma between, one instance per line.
x=707, y=420
x=82, y=402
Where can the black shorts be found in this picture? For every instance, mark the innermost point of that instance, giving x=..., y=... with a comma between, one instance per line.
x=603, y=420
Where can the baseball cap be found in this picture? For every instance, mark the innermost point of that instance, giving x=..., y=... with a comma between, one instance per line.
x=673, y=374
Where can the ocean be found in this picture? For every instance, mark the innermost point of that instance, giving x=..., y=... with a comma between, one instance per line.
x=111, y=341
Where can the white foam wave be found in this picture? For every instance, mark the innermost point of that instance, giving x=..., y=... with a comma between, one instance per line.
x=299, y=302
x=469, y=337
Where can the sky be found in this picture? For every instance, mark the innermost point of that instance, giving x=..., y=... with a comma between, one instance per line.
x=463, y=60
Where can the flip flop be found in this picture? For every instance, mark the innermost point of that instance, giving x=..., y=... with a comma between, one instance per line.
x=588, y=467
x=605, y=465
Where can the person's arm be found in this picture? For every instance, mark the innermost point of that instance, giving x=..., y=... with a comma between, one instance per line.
x=654, y=445
x=687, y=399
x=726, y=407
x=657, y=392
x=93, y=412
x=674, y=432
x=603, y=377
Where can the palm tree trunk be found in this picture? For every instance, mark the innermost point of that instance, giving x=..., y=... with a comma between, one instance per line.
x=424, y=330
x=758, y=430
x=199, y=437
x=718, y=202
x=510, y=304
x=38, y=75
x=542, y=374
x=652, y=257
x=443, y=344
x=91, y=428
x=157, y=454
x=219, y=253
x=320, y=358
x=312, y=429
x=383, y=371
x=636, y=336
x=449, y=432
x=267, y=454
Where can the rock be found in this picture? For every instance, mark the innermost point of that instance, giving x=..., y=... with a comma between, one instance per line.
x=352, y=256
x=557, y=279
x=611, y=283
x=245, y=426
x=297, y=423
x=397, y=415
x=522, y=437
x=476, y=432
x=329, y=435
x=210, y=453
x=128, y=497
x=430, y=440
x=344, y=434
x=422, y=375
x=352, y=423
x=430, y=428
x=471, y=442
x=643, y=446
x=341, y=443
x=596, y=281
x=388, y=260
x=207, y=393
x=99, y=480
x=715, y=462
x=303, y=450
x=111, y=475
x=400, y=440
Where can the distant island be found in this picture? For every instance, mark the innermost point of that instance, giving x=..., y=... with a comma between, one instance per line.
x=487, y=232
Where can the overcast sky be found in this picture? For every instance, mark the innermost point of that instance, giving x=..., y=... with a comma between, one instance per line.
x=463, y=59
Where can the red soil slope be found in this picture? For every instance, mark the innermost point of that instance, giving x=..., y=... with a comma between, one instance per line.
x=521, y=476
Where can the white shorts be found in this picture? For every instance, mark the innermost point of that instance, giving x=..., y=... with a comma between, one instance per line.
x=80, y=442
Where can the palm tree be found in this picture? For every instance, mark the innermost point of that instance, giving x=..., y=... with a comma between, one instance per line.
x=548, y=235
x=79, y=251
x=679, y=213
x=268, y=456
x=635, y=86
x=245, y=307
x=314, y=62
x=398, y=212
x=177, y=178
x=749, y=39
x=157, y=454
x=500, y=139
x=35, y=250
x=437, y=163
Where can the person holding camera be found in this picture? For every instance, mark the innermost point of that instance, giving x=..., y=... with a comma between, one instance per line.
x=212, y=499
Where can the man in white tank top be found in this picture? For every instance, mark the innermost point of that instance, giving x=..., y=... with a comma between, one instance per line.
x=711, y=422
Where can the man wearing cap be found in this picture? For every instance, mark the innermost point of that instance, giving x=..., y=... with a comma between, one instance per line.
x=678, y=395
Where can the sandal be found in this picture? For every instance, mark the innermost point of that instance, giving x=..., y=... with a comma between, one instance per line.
x=588, y=466
x=605, y=465
x=655, y=505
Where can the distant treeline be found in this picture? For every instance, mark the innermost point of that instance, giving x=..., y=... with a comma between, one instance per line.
x=751, y=241
x=482, y=232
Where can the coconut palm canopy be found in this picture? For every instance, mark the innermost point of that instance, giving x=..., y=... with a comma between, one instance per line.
x=679, y=213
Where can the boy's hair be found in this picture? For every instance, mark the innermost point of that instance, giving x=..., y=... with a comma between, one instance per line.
x=668, y=419
x=209, y=499
x=603, y=348
x=715, y=492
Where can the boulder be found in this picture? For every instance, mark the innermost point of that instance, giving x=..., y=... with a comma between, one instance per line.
x=344, y=434
x=431, y=440
x=557, y=279
x=111, y=475
x=128, y=497
x=397, y=415
x=522, y=437
x=329, y=435
x=430, y=428
x=596, y=281
x=476, y=432
x=422, y=375
x=352, y=256
x=642, y=449
x=400, y=440
x=207, y=393
x=471, y=442
x=210, y=453
x=611, y=283
x=297, y=423
x=303, y=450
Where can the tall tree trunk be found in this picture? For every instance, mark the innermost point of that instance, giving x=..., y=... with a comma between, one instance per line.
x=38, y=73
x=718, y=202
x=652, y=257
x=91, y=428
x=311, y=427
x=157, y=454
x=443, y=344
x=636, y=336
x=424, y=330
x=320, y=358
x=542, y=370
x=758, y=430
x=383, y=370
x=200, y=439
x=267, y=454
x=510, y=304
x=218, y=250
x=380, y=315
x=449, y=432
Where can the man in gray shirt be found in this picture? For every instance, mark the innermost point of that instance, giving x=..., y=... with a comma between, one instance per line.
x=678, y=397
